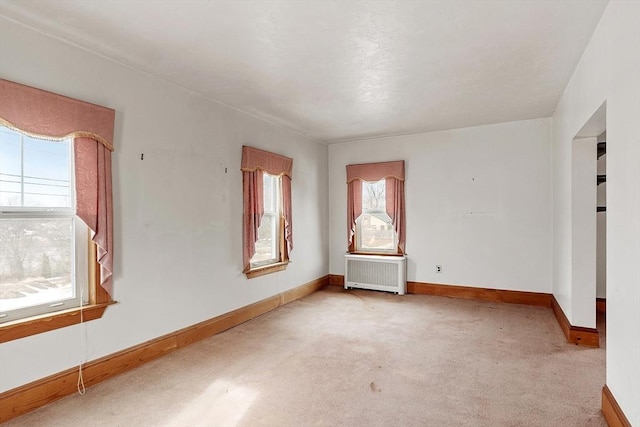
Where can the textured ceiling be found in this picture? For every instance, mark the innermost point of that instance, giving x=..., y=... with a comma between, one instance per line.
x=337, y=70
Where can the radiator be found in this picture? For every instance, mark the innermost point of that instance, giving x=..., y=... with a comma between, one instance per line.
x=380, y=273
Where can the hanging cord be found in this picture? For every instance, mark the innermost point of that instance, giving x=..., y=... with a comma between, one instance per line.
x=83, y=348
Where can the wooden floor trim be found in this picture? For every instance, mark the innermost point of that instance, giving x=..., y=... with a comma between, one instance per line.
x=612, y=411
x=575, y=334
x=467, y=292
x=41, y=392
x=484, y=294
x=601, y=305
x=336, y=280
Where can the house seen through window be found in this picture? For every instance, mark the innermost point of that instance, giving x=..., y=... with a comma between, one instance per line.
x=374, y=228
x=43, y=245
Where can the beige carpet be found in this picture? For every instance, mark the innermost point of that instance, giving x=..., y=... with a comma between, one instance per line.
x=359, y=358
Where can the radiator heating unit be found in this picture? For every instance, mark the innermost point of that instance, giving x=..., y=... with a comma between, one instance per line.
x=379, y=273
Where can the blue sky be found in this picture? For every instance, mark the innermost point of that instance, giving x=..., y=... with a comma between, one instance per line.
x=46, y=162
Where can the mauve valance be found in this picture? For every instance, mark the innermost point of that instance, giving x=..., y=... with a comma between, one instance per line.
x=41, y=113
x=274, y=164
x=376, y=171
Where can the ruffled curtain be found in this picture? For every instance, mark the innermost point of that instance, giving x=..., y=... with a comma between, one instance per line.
x=393, y=173
x=255, y=163
x=45, y=114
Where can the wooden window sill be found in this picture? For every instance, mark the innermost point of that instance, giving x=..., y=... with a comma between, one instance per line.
x=16, y=329
x=267, y=269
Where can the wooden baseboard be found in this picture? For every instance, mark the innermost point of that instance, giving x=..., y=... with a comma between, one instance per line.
x=336, y=280
x=484, y=294
x=612, y=411
x=575, y=334
x=39, y=393
x=601, y=305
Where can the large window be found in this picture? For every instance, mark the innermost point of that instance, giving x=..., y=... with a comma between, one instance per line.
x=43, y=246
x=56, y=211
x=375, y=208
x=267, y=224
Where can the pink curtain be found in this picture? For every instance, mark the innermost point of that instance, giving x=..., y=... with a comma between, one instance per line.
x=94, y=201
x=252, y=213
x=395, y=209
x=47, y=114
x=354, y=207
x=393, y=173
x=255, y=162
x=286, y=202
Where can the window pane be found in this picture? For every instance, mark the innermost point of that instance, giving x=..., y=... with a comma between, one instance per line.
x=46, y=173
x=376, y=232
x=267, y=246
x=267, y=241
x=270, y=187
x=35, y=262
x=9, y=168
x=374, y=196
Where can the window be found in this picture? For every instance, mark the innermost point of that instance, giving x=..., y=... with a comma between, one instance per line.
x=56, y=243
x=374, y=227
x=267, y=247
x=375, y=208
x=267, y=223
x=43, y=245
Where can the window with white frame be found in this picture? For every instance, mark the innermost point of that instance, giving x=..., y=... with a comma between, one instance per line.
x=43, y=245
x=374, y=228
x=268, y=243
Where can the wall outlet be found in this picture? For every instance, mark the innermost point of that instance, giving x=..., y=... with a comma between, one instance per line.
x=438, y=269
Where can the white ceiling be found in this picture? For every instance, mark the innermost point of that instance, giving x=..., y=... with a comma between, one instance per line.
x=341, y=70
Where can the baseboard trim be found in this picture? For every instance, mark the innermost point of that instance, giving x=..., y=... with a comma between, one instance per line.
x=483, y=294
x=467, y=292
x=575, y=334
x=601, y=305
x=336, y=280
x=31, y=396
x=611, y=410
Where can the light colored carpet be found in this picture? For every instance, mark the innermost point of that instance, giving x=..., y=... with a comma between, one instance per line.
x=359, y=358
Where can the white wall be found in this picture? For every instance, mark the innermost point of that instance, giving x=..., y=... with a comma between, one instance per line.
x=584, y=230
x=478, y=203
x=601, y=234
x=178, y=255
x=608, y=71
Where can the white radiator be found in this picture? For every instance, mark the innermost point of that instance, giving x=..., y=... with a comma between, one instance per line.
x=380, y=273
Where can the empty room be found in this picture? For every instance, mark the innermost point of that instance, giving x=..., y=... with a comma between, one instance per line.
x=331, y=213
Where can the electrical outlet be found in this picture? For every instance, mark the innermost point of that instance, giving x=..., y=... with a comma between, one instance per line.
x=438, y=269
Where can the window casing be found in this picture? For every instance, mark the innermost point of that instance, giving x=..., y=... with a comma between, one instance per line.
x=43, y=256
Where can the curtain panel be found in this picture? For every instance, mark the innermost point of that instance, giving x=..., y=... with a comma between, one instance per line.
x=393, y=174
x=255, y=163
x=48, y=115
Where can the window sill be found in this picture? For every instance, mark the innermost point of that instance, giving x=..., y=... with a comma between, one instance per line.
x=267, y=269
x=48, y=322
